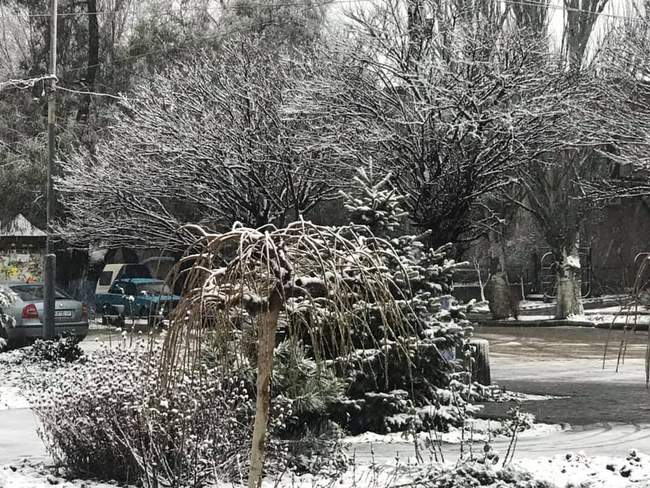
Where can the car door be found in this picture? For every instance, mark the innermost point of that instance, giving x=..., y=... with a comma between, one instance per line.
x=130, y=295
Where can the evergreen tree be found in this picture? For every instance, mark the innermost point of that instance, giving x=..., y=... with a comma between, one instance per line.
x=375, y=205
x=382, y=384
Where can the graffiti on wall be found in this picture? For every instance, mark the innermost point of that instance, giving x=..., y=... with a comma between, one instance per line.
x=26, y=267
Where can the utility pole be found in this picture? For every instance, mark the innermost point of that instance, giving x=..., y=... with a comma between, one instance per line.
x=49, y=330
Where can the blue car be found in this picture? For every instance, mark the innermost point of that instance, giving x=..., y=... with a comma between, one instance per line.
x=136, y=298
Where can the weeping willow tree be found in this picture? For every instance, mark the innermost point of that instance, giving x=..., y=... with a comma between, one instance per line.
x=248, y=279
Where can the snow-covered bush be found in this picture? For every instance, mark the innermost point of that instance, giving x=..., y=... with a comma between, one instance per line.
x=109, y=418
x=308, y=392
x=5, y=320
x=390, y=377
x=63, y=349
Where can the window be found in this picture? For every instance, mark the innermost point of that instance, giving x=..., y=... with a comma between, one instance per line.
x=105, y=278
x=134, y=271
x=34, y=293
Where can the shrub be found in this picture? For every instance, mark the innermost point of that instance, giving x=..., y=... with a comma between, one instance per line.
x=64, y=349
x=109, y=418
x=479, y=474
x=308, y=390
x=5, y=320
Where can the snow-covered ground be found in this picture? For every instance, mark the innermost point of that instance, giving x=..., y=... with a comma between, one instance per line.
x=560, y=471
x=10, y=397
x=476, y=430
x=549, y=451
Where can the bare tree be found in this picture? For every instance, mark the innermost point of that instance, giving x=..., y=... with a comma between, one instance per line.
x=204, y=143
x=580, y=19
x=446, y=99
x=607, y=130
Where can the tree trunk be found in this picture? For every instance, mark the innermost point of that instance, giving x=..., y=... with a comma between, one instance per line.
x=497, y=288
x=93, y=59
x=268, y=323
x=481, y=366
x=569, y=285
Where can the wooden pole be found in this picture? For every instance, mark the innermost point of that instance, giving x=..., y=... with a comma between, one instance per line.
x=50, y=271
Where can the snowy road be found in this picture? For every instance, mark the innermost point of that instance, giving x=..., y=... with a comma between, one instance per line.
x=609, y=410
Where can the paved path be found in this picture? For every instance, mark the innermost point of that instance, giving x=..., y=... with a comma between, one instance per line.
x=18, y=437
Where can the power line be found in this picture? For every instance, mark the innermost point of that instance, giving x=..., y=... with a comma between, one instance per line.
x=564, y=8
x=23, y=84
x=92, y=93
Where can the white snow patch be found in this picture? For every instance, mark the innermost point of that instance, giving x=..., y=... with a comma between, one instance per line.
x=529, y=397
x=29, y=477
x=11, y=398
x=361, y=476
x=560, y=471
x=595, y=472
x=573, y=262
x=478, y=430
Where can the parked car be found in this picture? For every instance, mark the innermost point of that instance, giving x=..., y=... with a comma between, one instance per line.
x=136, y=297
x=120, y=271
x=28, y=311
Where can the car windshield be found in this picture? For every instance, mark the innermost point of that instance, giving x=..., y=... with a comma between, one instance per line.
x=134, y=271
x=160, y=288
x=32, y=293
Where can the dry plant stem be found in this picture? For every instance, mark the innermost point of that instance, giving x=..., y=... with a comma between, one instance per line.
x=265, y=346
x=258, y=272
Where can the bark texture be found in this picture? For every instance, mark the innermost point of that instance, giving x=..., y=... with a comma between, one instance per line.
x=265, y=346
x=93, y=59
x=481, y=366
x=569, y=284
x=501, y=301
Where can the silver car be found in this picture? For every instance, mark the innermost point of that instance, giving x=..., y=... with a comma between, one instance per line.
x=27, y=310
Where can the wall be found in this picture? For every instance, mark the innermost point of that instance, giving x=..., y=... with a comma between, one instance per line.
x=616, y=239
x=21, y=266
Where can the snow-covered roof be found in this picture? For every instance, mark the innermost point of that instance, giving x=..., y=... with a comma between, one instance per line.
x=20, y=227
